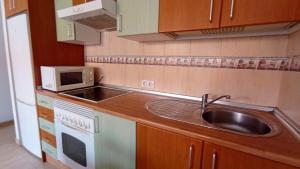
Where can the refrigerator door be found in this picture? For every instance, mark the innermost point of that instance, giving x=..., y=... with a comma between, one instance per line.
x=29, y=128
x=20, y=52
x=21, y=59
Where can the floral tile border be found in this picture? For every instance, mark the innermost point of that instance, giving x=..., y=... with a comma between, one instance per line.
x=256, y=63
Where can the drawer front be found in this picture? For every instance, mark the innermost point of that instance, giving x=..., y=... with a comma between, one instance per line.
x=45, y=101
x=47, y=126
x=49, y=150
x=48, y=138
x=46, y=113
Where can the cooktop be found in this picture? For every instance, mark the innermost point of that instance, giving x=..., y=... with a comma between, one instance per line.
x=95, y=94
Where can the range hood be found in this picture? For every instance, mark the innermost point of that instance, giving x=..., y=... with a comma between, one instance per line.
x=98, y=14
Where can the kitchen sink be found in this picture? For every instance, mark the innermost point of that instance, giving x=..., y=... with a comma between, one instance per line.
x=228, y=119
x=236, y=122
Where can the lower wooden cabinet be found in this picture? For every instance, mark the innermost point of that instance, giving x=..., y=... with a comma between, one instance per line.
x=218, y=157
x=159, y=149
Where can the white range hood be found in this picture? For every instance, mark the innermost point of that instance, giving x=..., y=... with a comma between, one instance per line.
x=98, y=14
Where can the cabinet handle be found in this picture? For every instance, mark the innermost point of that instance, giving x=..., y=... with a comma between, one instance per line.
x=9, y=5
x=119, y=23
x=211, y=10
x=214, y=159
x=231, y=9
x=13, y=4
x=191, y=151
x=69, y=30
x=44, y=116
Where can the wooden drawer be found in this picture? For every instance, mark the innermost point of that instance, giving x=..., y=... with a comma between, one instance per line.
x=45, y=101
x=46, y=113
x=47, y=126
x=49, y=150
x=48, y=138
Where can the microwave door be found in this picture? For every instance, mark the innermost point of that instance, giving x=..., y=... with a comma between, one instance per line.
x=71, y=78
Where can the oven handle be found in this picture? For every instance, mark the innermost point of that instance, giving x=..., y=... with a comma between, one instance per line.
x=74, y=128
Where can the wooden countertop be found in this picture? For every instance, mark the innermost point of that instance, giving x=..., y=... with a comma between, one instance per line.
x=283, y=147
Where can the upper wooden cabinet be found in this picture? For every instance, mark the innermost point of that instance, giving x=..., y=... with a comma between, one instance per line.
x=159, y=149
x=256, y=12
x=188, y=15
x=217, y=157
x=13, y=7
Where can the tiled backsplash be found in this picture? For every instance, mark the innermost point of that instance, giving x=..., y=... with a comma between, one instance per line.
x=189, y=67
x=259, y=63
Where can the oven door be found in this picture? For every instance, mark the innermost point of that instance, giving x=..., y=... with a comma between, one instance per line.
x=75, y=148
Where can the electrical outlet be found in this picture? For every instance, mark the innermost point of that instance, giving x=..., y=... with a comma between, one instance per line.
x=148, y=84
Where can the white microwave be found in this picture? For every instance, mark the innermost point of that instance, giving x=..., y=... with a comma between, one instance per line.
x=60, y=78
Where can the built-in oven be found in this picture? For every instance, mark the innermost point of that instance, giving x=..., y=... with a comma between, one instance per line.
x=75, y=128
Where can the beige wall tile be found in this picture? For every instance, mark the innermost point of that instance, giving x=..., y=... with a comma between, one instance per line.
x=174, y=79
x=113, y=74
x=154, y=48
x=247, y=86
x=240, y=46
x=210, y=47
x=177, y=48
x=293, y=44
x=132, y=76
x=273, y=46
x=289, y=98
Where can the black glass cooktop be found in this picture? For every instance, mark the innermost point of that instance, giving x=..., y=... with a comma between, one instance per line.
x=95, y=94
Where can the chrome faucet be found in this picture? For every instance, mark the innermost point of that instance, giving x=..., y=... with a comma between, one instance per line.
x=204, y=102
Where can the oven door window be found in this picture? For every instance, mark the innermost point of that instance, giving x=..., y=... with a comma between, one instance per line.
x=69, y=78
x=74, y=149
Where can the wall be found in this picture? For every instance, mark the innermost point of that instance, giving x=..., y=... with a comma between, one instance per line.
x=259, y=87
x=5, y=100
x=289, y=97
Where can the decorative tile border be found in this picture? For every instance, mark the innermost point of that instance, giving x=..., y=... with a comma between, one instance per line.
x=257, y=63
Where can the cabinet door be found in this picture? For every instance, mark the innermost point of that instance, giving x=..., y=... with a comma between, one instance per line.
x=188, y=15
x=255, y=12
x=8, y=5
x=13, y=7
x=137, y=17
x=159, y=149
x=115, y=143
x=64, y=29
x=217, y=157
x=20, y=6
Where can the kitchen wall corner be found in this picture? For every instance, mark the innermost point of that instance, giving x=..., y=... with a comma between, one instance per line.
x=289, y=97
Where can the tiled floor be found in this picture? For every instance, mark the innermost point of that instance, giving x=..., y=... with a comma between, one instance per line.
x=12, y=156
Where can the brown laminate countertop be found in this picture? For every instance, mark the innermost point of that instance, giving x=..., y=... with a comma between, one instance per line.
x=283, y=147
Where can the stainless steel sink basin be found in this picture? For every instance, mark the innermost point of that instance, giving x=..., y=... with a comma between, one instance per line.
x=227, y=119
x=236, y=122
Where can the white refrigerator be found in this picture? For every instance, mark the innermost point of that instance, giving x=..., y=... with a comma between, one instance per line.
x=24, y=86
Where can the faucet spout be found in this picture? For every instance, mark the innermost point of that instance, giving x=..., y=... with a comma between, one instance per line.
x=205, y=103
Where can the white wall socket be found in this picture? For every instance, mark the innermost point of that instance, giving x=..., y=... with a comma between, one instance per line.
x=148, y=84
